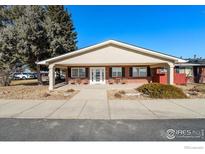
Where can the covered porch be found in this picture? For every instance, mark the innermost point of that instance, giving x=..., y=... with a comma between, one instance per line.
x=113, y=62
x=112, y=74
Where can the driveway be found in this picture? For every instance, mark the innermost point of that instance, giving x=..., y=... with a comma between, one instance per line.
x=92, y=103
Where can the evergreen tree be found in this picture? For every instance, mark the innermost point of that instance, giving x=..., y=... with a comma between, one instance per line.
x=4, y=20
x=60, y=31
x=1, y=16
x=9, y=55
x=32, y=35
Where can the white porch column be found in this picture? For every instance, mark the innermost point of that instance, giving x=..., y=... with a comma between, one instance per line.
x=51, y=77
x=170, y=73
x=66, y=75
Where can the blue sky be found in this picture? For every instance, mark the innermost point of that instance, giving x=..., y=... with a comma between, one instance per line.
x=175, y=30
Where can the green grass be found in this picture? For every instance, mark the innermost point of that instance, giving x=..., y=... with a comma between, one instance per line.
x=156, y=90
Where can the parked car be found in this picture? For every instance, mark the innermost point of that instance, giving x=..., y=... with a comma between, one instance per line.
x=35, y=75
x=31, y=76
x=23, y=76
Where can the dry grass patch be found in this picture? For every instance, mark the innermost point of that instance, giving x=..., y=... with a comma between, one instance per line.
x=29, y=82
x=194, y=90
x=34, y=92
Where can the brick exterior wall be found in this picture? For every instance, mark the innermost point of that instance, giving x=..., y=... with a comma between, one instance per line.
x=160, y=78
x=127, y=76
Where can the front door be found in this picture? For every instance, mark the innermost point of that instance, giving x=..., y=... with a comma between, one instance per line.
x=97, y=75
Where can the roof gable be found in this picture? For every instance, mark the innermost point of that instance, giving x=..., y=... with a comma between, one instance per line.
x=112, y=43
x=111, y=55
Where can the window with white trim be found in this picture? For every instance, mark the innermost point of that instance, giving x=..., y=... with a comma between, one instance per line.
x=116, y=71
x=139, y=71
x=78, y=72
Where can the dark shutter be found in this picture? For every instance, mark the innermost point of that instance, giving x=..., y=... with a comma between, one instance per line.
x=148, y=71
x=110, y=72
x=69, y=72
x=130, y=71
x=123, y=72
x=87, y=72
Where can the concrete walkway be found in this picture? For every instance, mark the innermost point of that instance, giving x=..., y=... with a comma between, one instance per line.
x=93, y=104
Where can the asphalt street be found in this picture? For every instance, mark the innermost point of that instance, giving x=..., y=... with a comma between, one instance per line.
x=101, y=130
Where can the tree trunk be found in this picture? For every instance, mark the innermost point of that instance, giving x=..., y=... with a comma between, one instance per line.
x=5, y=80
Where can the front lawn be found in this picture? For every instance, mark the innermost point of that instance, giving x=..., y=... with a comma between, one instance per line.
x=34, y=92
x=194, y=90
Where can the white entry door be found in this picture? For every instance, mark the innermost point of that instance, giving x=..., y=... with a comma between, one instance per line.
x=97, y=75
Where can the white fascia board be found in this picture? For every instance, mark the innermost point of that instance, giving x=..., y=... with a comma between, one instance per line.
x=72, y=53
x=45, y=62
x=148, y=51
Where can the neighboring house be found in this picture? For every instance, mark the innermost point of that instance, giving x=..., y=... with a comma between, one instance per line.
x=115, y=62
x=195, y=72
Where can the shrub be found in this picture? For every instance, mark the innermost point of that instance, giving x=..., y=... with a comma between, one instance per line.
x=121, y=92
x=78, y=81
x=117, y=95
x=46, y=94
x=156, y=90
x=70, y=90
x=195, y=89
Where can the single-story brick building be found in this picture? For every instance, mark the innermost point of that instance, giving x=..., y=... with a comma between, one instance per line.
x=114, y=62
x=195, y=72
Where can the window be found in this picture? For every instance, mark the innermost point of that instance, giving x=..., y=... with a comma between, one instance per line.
x=74, y=72
x=135, y=71
x=139, y=71
x=177, y=69
x=77, y=72
x=187, y=70
x=181, y=69
x=162, y=70
x=116, y=71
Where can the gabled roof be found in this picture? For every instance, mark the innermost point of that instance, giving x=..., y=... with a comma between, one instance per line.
x=112, y=42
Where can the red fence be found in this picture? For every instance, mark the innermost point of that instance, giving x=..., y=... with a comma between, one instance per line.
x=180, y=78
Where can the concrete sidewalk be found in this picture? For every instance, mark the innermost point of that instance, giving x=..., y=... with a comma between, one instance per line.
x=83, y=107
